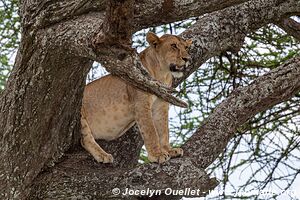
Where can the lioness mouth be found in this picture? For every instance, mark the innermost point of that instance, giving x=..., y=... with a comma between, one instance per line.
x=177, y=71
x=175, y=68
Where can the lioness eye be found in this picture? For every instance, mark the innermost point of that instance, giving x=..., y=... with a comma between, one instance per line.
x=174, y=46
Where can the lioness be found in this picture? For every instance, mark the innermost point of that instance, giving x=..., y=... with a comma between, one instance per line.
x=111, y=106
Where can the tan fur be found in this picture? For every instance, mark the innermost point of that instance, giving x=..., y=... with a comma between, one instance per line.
x=111, y=106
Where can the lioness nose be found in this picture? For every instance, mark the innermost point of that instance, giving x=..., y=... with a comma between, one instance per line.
x=186, y=59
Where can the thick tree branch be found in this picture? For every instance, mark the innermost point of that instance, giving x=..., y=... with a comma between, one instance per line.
x=176, y=10
x=41, y=14
x=291, y=27
x=72, y=179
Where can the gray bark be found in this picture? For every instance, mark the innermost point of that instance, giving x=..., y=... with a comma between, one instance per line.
x=39, y=109
x=43, y=14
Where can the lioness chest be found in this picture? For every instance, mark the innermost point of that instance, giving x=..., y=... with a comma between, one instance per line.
x=108, y=108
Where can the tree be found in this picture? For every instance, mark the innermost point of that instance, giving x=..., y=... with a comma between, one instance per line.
x=39, y=118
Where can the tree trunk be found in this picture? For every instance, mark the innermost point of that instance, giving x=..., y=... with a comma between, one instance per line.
x=40, y=107
x=39, y=113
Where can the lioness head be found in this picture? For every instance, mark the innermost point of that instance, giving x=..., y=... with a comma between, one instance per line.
x=171, y=52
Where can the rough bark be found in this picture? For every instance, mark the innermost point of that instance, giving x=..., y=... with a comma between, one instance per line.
x=118, y=25
x=39, y=109
x=42, y=14
x=38, y=119
x=70, y=179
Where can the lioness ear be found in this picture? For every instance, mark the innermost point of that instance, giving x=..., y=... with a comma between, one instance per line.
x=189, y=42
x=152, y=39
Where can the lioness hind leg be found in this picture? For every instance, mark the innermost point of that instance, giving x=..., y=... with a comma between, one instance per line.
x=88, y=142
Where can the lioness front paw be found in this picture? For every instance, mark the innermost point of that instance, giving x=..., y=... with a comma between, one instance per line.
x=159, y=158
x=104, y=158
x=175, y=152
